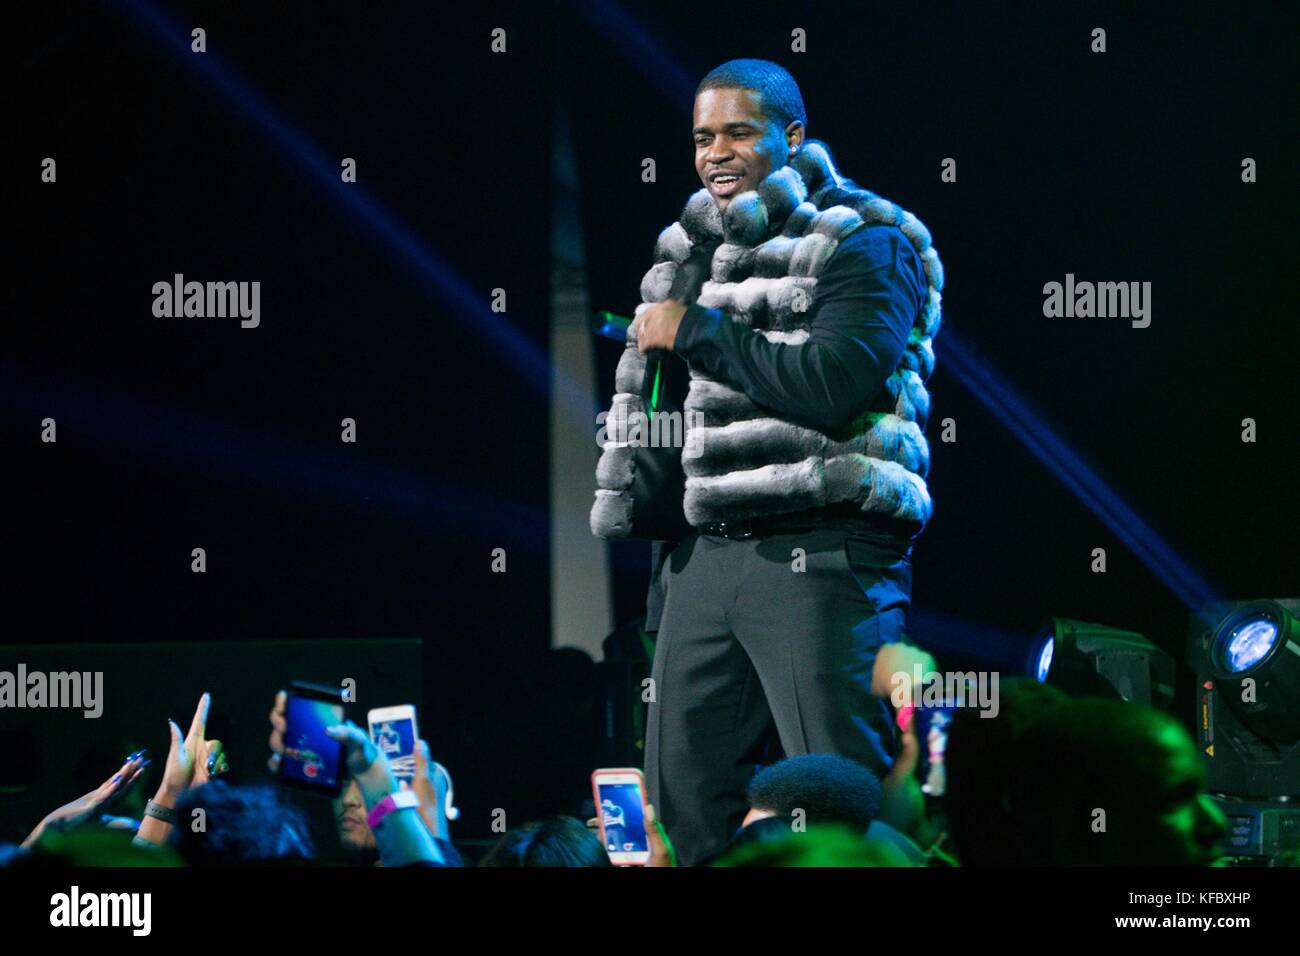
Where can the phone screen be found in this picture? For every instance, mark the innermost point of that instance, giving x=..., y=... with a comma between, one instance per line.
x=620, y=812
x=311, y=759
x=395, y=738
x=932, y=723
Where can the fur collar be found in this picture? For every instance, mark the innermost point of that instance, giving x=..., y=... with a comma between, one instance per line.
x=758, y=214
x=765, y=255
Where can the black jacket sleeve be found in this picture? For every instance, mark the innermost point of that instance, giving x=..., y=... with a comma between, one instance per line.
x=866, y=300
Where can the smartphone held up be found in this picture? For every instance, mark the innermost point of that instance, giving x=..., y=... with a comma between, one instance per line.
x=312, y=760
x=393, y=729
x=619, y=795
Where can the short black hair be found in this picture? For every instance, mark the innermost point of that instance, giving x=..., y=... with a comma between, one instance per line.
x=828, y=788
x=250, y=824
x=552, y=841
x=782, y=101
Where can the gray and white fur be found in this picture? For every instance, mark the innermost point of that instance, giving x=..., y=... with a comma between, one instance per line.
x=772, y=242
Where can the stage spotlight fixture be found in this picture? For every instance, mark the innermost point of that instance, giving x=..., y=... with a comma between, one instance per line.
x=1042, y=658
x=1254, y=657
x=1246, y=656
x=1093, y=660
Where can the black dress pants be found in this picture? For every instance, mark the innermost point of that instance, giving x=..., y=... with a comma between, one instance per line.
x=760, y=636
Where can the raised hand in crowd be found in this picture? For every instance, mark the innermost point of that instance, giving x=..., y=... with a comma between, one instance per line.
x=401, y=835
x=191, y=761
x=278, y=725
x=430, y=785
x=899, y=670
x=894, y=674
x=89, y=805
x=661, y=848
x=902, y=805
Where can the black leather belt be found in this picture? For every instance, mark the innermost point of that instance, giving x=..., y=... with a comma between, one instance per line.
x=850, y=518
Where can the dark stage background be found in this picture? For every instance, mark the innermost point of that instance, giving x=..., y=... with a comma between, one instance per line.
x=184, y=433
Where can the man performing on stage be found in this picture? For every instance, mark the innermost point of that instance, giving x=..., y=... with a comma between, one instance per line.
x=808, y=348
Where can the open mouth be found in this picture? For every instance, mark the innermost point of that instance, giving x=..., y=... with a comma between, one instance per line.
x=724, y=184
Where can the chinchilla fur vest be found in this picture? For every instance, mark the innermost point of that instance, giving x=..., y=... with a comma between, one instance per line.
x=772, y=244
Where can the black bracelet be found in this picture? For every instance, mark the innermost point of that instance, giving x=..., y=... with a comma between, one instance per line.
x=159, y=812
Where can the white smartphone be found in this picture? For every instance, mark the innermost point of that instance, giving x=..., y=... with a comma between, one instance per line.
x=620, y=799
x=394, y=732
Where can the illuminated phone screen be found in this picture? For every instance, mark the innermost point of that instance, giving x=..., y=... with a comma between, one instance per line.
x=620, y=810
x=396, y=740
x=311, y=758
x=932, y=723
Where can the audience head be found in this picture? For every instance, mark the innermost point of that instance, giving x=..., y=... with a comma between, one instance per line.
x=355, y=836
x=1109, y=783
x=827, y=788
x=248, y=824
x=553, y=841
x=1058, y=781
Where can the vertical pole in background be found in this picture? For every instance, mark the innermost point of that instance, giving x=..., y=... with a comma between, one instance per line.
x=582, y=607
